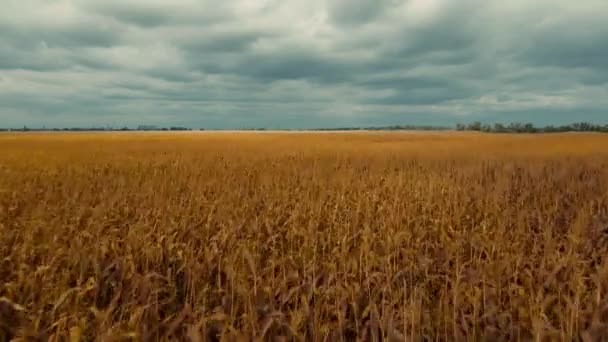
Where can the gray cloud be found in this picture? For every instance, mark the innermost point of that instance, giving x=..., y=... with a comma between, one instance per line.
x=301, y=63
x=358, y=12
x=153, y=14
x=568, y=48
x=65, y=36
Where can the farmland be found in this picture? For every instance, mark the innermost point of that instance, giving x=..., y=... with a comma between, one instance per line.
x=303, y=236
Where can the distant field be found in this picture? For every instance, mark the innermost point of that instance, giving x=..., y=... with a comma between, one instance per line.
x=305, y=237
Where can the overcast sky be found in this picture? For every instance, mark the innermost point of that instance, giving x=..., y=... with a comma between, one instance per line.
x=302, y=63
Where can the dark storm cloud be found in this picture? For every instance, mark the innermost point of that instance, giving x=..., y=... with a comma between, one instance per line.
x=570, y=49
x=404, y=83
x=357, y=12
x=11, y=59
x=135, y=15
x=423, y=96
x=300, y=63
x=153, y=14
x=63, y=36
x=294, y=65
x=215, y=43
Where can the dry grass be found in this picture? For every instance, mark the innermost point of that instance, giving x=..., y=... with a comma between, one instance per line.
x=304, y=237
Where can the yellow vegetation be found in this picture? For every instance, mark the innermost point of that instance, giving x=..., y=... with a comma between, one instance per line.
x=303, y=236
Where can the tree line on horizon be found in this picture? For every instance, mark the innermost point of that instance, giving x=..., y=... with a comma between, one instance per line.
x=96, y=129
x=517, y=127
x=476, y=126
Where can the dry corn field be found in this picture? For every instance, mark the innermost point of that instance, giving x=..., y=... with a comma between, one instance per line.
x=225, y=236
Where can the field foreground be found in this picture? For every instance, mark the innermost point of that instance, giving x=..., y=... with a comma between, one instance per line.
x=303, y=237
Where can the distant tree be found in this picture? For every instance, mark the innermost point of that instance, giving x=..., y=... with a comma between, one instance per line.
x=516, y=127
x=549, y=129
x=486, y=128
x=475, y=126
x=529, y=128
x=499, y=128
x=583, y=127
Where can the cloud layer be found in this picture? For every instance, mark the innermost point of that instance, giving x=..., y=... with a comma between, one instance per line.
x=301, y=63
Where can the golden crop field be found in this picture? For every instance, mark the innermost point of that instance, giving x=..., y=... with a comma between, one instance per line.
x=303, y=236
